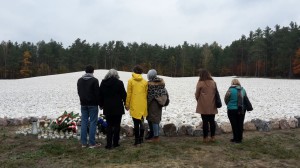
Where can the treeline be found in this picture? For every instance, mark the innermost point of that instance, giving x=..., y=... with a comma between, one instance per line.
x=263, y=53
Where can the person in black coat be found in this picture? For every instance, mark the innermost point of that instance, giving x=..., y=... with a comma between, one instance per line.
x=112, y=101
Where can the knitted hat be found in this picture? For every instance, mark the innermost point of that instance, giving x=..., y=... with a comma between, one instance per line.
x=151, y=74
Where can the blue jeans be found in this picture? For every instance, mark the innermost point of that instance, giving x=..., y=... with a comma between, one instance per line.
x=89, y=116
x=155, y=129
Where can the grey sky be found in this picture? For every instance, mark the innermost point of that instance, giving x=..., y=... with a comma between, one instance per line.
x=169, y=22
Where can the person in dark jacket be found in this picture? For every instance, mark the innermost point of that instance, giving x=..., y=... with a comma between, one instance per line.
x=235, y=111
x=112, y=101
x=156, y=99
x=88, y=91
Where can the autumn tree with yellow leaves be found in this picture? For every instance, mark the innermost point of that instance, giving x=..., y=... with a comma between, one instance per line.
x=296, y=63
x=25, y=71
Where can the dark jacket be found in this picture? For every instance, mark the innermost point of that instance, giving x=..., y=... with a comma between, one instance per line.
x=112, y=96
x=88, y=90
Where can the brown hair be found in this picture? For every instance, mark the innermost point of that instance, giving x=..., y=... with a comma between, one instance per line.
x=204, y=75
x=138, y=69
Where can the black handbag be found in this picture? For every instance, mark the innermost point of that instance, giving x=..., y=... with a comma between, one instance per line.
x=247, y=103
x=218, y=99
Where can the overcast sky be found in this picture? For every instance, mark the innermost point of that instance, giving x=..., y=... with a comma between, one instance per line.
x=169, y=22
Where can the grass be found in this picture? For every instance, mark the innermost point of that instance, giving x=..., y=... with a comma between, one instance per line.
x=279, y=148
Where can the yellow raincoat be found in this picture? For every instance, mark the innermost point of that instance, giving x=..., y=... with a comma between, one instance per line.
x=136, y=100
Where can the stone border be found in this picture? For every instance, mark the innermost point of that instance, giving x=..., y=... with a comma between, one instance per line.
x=171, y=129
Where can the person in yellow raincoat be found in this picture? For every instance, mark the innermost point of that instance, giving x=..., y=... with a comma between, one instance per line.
x=136, y=102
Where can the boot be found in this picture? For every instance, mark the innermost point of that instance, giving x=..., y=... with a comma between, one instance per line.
x=142, y=135
x=154, y=139
x=109, y=138
x=137, y=141
x=149, y=135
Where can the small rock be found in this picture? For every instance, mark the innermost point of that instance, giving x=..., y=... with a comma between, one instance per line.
x=3, y=122
x=262, y=125
x=170, y=129
x=275, y=124
x=249, y=126
x=225, y=127
x=198, y=132
x=283, y=124
x=293, y=122
x=128, y=130
x=185, y=130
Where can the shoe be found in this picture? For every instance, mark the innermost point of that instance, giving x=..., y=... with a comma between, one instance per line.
x=213, y=139
x=238, y=141
x=137, y=145
x=149, y=136
x=108, y=147
x=154, y=139
x=205, y=139
x=94, y=146
x=115, y=146
x=83, y=146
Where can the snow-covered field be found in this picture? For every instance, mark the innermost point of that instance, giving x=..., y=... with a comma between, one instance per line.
x=52, y=95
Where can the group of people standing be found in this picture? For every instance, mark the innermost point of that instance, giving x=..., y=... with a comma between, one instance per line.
x=205, y=95
x=144, y=99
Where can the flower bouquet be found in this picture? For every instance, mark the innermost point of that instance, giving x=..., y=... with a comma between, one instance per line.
x=65, y=122
x=102, y=124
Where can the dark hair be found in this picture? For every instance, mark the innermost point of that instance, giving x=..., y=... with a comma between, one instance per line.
x=89, y=69
x=138, y=69
x=204, y=75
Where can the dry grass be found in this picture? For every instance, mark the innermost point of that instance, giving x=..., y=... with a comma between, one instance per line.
x=280, y=148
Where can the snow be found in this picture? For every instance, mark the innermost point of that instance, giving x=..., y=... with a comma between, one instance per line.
x=52, y=95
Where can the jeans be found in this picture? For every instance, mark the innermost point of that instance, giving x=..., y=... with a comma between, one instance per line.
x=89, y=118
x=155, y=129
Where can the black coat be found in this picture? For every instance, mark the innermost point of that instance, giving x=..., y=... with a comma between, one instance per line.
x=112, y=96
x=88, y=91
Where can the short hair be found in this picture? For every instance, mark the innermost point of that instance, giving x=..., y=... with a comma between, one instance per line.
x=151, y=74
x=235, y=82
x=138, y=69
x=89, y=69
x=112, y=73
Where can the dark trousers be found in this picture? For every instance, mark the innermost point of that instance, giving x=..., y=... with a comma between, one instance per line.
x=208, y=122
x=150, y=132
x=237, y=124
x=113, y=130
x=138, y=130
